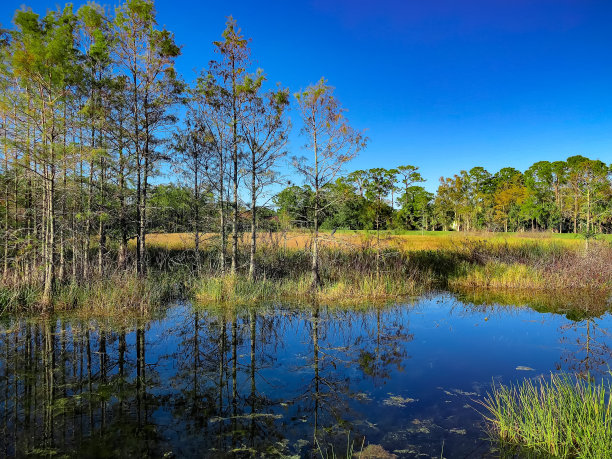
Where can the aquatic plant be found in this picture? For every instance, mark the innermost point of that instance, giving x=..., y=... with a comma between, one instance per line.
x=561, y=416
x=107, y=295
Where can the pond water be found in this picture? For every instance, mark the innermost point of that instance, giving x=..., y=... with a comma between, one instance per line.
x=269, y=381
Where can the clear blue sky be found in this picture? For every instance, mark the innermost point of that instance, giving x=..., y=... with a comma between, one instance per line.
x=444, y=85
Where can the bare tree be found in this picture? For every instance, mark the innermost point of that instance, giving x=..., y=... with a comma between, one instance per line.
x=333, y=143
x=147, y=54
x=265, y=134
x=209, y=112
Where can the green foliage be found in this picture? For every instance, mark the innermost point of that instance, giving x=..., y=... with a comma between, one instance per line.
x=562, y=196
x=561, y=416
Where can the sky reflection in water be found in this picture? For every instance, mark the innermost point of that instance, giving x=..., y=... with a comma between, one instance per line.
x=202, y=383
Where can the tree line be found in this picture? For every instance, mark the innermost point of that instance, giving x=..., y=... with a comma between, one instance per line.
x=89, y=117
x=574, y=195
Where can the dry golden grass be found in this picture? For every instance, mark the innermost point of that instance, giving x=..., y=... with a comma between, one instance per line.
x=360, y=239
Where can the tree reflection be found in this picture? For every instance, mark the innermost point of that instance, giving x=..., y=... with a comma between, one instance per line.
x=64, y=391
x=236, y=381
x=383, y=348
x=586, y=348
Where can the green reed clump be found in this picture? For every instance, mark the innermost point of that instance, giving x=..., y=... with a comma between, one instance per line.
x=240, y=289
x=118, y=291
x=562, y=416
x=121, y=291
x=497, y=275
x=23, y=296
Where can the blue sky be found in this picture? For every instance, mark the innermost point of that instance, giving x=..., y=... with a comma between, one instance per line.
x=444, y=85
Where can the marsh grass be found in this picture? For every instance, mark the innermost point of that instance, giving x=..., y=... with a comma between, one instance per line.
x=239, y=289
x=396, y=239
x=352, y=272
x=105, y=296
x=560, y=416
x=121, y=291
x=497, y=275
x=532, y=266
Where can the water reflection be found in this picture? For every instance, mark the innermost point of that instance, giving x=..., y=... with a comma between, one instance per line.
x=240, y=382
x=588, y=347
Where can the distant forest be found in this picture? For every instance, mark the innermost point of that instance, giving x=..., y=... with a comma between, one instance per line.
x=89, y=112
x=561, y=196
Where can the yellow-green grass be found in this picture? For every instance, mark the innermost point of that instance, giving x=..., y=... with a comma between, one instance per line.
x=497, y=275
x=237, y=289
x=558, y=417
x=407, y=241
x=574, y=304
x=120, y=295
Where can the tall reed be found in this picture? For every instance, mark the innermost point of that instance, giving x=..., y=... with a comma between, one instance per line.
x=560, y=416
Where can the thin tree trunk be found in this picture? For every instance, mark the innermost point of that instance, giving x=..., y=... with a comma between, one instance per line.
x=62, y=261
x=101, y=225
x=235, y=174
x=223, y=254
x=253, y=218
x=139, y=241
x=6, y=202
x=316, y=280
x=143, y=192
x=196, y=216
x=88, y=221
x=122, y=256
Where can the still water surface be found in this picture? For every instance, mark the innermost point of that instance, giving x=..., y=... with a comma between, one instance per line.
x=265, y=382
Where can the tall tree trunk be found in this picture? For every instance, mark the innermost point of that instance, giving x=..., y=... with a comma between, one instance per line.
x=234, y=172
x=143, y=191
x=316, y=280
x=6, y=202
x=139, y=241
x=101, y=225
x=253, y=217
x=50, y=237
x=143, y=215
x=576, y=212
x=196, y=216
x=87, y=234
x=223, y=254
x=49, y=225
x=62, y=261
x=122, y=256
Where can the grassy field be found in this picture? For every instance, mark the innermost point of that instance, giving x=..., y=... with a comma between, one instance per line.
x=410, y=263
x=405, y=240
x=354, y=269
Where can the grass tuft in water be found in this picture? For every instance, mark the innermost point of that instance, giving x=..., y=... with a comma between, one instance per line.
x=562, y=416
x=239, y=289
x=106, y=295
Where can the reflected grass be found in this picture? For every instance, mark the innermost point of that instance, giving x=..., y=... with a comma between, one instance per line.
x=576, y=304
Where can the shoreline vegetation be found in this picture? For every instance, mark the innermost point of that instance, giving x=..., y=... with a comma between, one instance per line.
x=90, y=121
x=537, y=270
x=558, y=416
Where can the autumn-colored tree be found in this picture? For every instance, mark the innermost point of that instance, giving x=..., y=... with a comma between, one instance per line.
x=510, y=192
x=333, y=143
